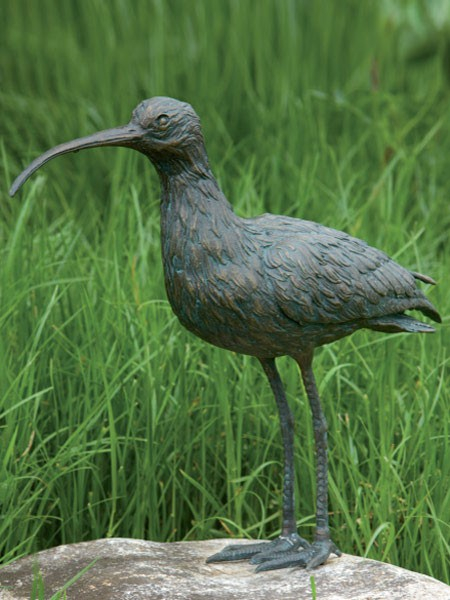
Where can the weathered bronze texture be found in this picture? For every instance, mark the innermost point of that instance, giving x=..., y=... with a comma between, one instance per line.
x=268, y=286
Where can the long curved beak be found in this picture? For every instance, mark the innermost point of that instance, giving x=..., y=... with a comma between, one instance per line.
x=128, y=136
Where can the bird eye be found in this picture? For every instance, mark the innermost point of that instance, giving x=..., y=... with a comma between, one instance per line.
x=162, y=120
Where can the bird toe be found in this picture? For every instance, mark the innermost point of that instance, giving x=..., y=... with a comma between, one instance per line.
x=238, y=552
x=314, y=555
x=260, y=551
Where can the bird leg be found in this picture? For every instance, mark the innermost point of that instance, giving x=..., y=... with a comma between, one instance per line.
x=289, y=541
x=318, y=552
x=289, y=549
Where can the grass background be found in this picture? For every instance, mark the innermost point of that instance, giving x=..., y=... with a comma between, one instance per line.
x=117, y=422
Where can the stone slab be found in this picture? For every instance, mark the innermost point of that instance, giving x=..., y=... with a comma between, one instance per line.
x=129, y=569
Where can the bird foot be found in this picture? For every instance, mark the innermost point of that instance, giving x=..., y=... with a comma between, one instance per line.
x=313, y=555
x=285, y=551
x=263, y=550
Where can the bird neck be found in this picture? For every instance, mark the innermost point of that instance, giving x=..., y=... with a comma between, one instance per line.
x=194, y=196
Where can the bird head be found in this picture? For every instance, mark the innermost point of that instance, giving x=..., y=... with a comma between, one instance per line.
x=166, y=130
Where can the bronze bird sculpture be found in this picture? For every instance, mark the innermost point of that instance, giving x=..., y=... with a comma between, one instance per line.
x=268, y=286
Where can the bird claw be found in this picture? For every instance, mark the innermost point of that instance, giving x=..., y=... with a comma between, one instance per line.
x=265, y=550
x=314, y=555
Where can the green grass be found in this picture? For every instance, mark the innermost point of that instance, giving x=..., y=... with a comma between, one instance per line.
x=117, y=422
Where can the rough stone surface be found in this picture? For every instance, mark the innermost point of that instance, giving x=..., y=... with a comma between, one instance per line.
x=136, y=570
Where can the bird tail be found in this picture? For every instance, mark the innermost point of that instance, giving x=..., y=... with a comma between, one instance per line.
x=399, y=323
x=424, y=278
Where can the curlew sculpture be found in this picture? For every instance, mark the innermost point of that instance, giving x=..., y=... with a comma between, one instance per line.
x=268, y=286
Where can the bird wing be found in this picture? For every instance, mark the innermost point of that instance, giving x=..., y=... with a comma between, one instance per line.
x=320, y=275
